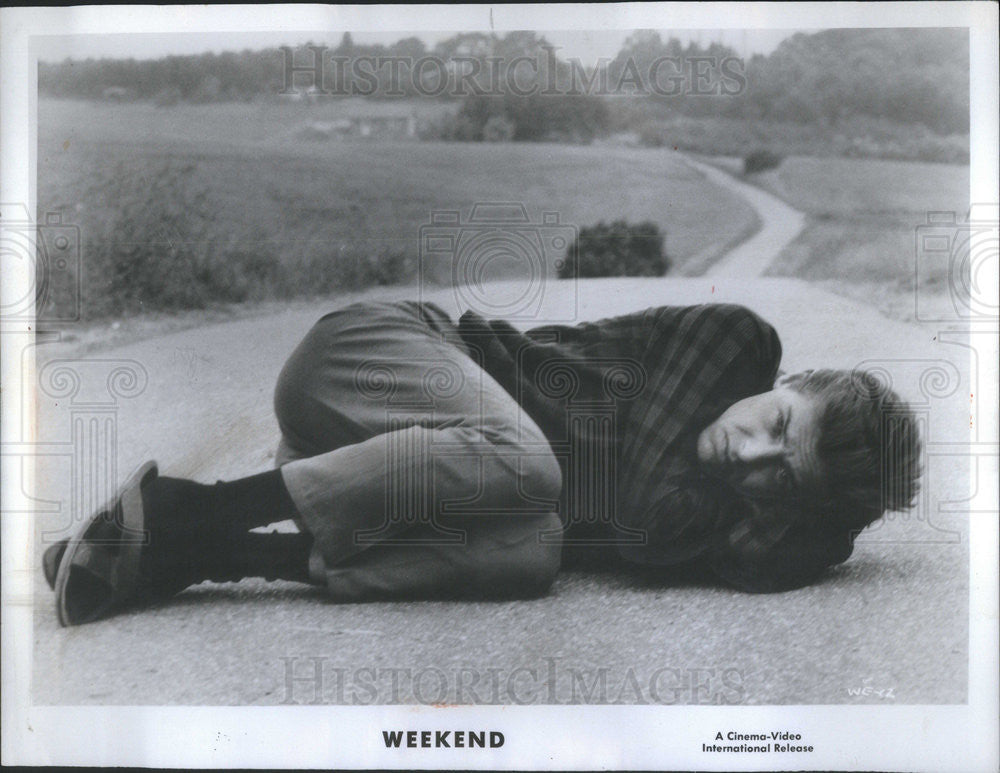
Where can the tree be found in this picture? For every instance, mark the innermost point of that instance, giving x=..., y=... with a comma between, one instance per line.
x=346, y=47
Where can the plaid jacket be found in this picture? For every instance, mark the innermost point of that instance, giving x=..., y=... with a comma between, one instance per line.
x=622, y=401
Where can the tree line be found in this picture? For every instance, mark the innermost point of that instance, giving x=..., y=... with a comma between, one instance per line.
x=914, y=76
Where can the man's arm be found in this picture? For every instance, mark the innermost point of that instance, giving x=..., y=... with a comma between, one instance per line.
x=798, y=559
x=753, y=546
x=680, y=523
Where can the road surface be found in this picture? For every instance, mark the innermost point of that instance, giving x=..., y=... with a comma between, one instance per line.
x=893, y=619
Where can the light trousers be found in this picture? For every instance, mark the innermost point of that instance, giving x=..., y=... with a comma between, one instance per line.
x=417, y=474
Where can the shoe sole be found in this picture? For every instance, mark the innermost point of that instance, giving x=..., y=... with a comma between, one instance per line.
x=126, y=570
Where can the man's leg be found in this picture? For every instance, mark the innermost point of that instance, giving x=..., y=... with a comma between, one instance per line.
x=160, y=535
x=411, y=471
x=415, y=472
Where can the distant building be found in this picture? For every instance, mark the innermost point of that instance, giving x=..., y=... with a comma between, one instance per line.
x=385, y=126
x=116, y=94
x=310, y=95
x=376, y=127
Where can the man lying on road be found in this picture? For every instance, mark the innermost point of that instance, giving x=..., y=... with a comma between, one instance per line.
x=423, y=458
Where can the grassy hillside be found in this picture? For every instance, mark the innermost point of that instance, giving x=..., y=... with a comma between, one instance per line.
x=861, y=232
x=226, y=200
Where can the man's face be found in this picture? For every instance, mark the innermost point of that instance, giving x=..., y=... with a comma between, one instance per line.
x=766, y=444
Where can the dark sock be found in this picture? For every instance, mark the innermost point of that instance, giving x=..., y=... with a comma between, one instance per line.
x=273, y=556
x=200, y=532
x=232, y=507
x=255, y=501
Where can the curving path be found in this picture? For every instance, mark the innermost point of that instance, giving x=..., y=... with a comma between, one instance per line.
x=780, y=225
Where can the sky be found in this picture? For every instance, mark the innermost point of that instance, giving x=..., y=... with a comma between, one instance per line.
x=585, y=46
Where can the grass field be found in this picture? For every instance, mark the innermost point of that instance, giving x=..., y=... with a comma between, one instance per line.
x=862, y=219
x=228, y=196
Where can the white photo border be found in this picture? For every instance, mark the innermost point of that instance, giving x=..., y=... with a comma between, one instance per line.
x=940, y=738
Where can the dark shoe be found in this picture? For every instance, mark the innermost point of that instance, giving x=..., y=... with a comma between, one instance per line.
x=152, y=542
x=51, y=559
x=99, y=568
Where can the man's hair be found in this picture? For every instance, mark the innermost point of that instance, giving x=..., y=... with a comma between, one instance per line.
x=868, y=445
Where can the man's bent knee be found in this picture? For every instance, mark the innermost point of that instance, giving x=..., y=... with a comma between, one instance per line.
x=540, y=571
x=540, y=472
x=522, y=561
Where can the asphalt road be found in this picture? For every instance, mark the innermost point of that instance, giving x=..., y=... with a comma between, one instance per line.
x=893, y=619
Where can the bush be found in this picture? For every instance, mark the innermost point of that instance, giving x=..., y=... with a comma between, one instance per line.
x=499, y=128
x=853, y=137
x=154, y=241
x=450, y=127
x=761, y=161
x=167, y=97
x=321, y=271
x=654, y=134
x=618, y=249
x=148, y=252
x=537, y=118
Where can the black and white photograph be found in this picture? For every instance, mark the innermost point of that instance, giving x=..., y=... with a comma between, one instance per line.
x=501, y=387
